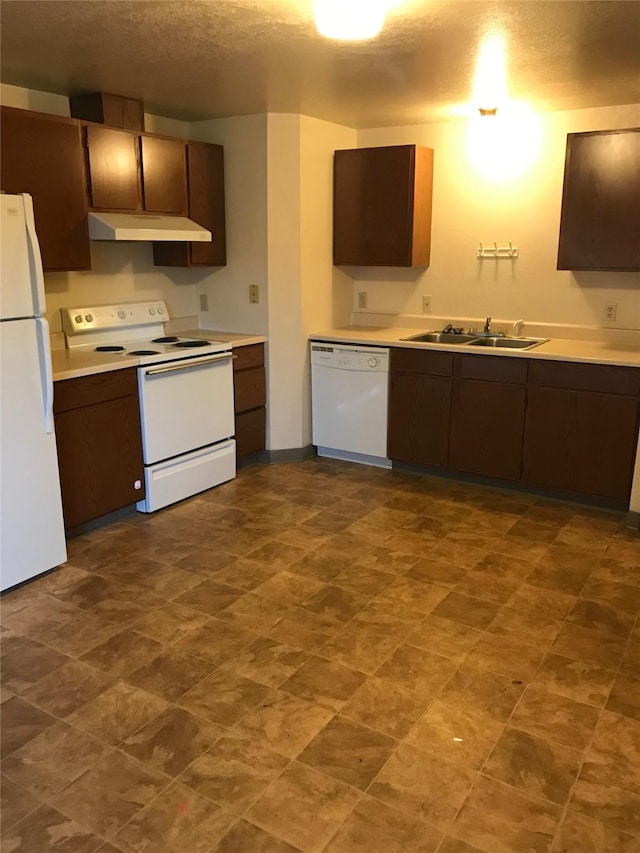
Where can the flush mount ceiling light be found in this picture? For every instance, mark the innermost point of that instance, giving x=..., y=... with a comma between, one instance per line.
x=349, y=20
x=490, y=82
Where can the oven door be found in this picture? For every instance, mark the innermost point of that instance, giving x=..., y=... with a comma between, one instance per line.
x=185, y=405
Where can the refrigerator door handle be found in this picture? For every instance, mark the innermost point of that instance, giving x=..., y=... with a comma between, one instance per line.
x=35, y=259
x=46, y=371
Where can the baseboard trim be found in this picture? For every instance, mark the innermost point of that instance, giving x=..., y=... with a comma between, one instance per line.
x=511, y=485
x=632, y=520
x=290, y=454
x=102, y=521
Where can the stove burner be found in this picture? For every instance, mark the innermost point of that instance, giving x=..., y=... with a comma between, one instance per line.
x=109, y=349
x=186, y=344
x=169, y=339
x=144, y=352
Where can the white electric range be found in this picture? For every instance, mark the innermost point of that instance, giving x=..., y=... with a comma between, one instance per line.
x=185, y=389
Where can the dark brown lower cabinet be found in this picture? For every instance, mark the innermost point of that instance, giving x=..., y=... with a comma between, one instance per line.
x=249, y=386
x=419, y=406
x=564, y=426
x=580, y=441
x=487, y=416
x=99, y=442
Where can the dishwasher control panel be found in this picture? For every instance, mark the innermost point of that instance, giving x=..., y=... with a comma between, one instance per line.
x=370, y=359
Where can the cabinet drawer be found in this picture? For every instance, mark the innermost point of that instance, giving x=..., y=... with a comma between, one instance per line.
x=494, y=368
x=420, y=361
x=585, y=377
x=250, y=356
x=98, y=388
x=249, y=389
x=250, y=432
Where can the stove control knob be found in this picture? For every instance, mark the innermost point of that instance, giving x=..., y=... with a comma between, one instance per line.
x=152, y=311
x=78, y=318
x=373, y=362
x=122, y=314
x=88, y=318
x=160, y=309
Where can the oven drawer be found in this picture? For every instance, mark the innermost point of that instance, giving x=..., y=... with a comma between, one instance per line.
x=176, y=479
x=185, y=405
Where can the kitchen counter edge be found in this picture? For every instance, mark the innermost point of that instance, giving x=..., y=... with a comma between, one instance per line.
x=68, y=364
x=556, y=349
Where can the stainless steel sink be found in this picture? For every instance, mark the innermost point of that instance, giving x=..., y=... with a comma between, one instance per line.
x=508, y=343
x=440, y=338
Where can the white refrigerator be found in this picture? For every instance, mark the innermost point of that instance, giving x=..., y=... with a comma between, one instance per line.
x=31, y=526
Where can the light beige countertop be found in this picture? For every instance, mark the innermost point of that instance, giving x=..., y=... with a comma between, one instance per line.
x=236, y=339
x=556, y=349
x=71, y=364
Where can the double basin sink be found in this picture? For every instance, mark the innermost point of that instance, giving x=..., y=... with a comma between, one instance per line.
x=479, y=340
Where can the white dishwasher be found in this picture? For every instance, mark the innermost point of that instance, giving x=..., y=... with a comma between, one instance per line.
x=350, y=394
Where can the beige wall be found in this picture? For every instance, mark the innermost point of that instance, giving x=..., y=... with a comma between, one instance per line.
x=245, y=170
x=469, y=206
x=325, y=290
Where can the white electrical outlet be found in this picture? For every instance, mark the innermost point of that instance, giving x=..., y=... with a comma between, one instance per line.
x=362, y=299
x=426, y=304
x=254, y=293
x=610, y=311
x=204, y=302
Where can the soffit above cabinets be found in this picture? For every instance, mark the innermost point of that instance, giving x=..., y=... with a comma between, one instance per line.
x=200, y=59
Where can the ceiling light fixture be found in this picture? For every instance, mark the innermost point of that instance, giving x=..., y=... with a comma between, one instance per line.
x=490, y=82
x=349, y=20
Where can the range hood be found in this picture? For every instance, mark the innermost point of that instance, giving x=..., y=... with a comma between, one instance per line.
x=145, y=226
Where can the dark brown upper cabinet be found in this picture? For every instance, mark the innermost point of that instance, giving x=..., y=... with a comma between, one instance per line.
x=600, y=221
x=129, y=172
x=164, y=175
x=43, y=155
x=205, y=169
x=114, y=169
x=382, y=206
x=112, y=110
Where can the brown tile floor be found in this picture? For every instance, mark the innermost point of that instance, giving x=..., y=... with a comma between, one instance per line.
x=321, y=656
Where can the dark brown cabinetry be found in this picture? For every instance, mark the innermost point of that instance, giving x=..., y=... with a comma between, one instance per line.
x=43, y=155
x=129, y=172
x=487, y=416
x=581, y=428
x=99, y=444
x=419, y=406
x=114, y=172
x=382, y=206
x=70, y=166
x=164, y=175
x=249, y=385
x=112, y=110
x=205, y=170
x=600, y=222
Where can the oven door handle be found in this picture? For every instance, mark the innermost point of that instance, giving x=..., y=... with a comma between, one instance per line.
x=186, y=365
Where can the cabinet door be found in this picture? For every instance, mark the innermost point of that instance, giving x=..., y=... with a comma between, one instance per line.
x=373, y=206
x=205, y=168
x=419, y=416
x=43, y=156
x=250, y=432
x=600, y=220
x=487, y=424
x=580, y=441
x=164, y=175
x=100, y=456
x=206, y=203
x=113, y=169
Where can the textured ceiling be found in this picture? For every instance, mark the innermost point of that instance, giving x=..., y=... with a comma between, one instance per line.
x=195, y=60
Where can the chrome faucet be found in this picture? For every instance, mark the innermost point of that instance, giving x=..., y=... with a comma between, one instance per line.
x=487, y=326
